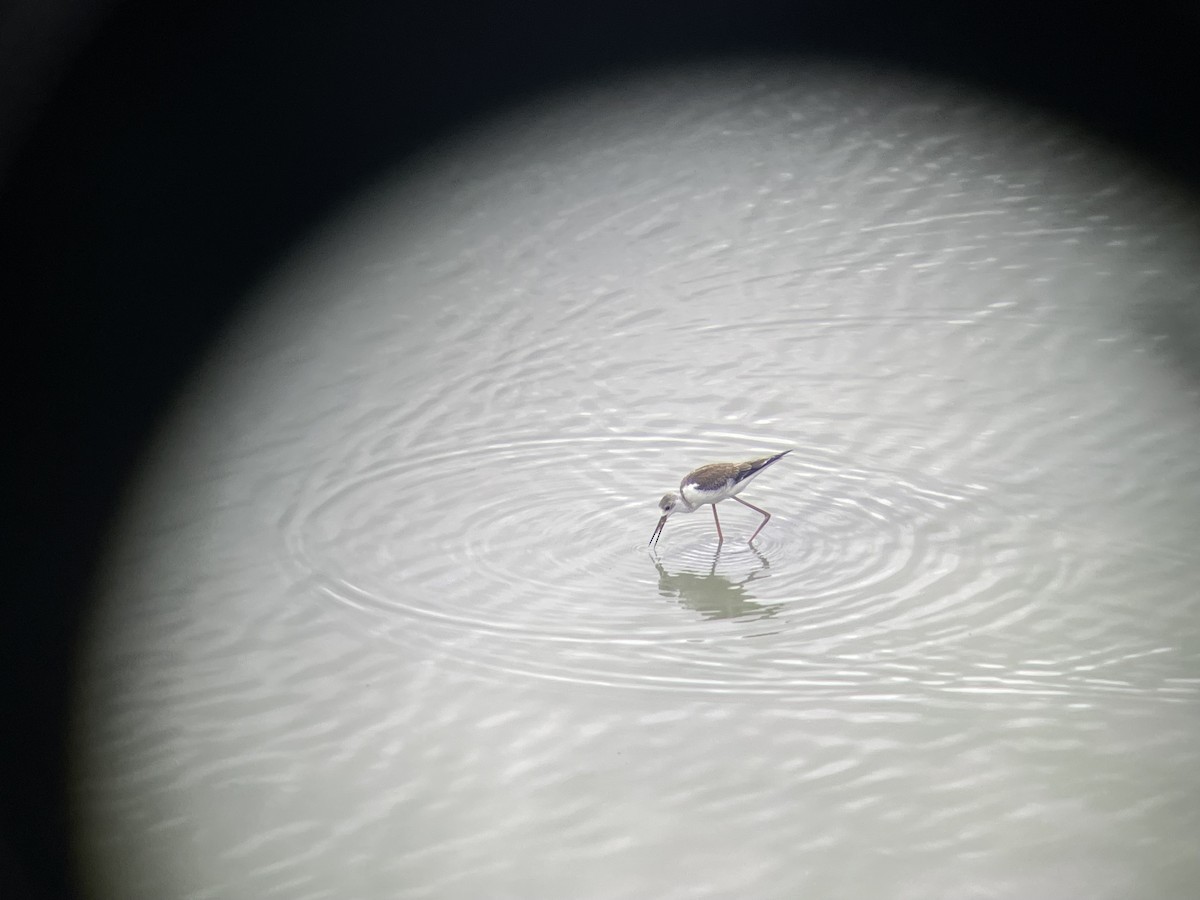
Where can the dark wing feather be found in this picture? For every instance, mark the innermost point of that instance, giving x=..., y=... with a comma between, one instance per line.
x=709, y=478
x=754, y=466
x=715, y=476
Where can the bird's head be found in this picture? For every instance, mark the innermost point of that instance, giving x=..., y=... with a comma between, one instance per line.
x=670, y=503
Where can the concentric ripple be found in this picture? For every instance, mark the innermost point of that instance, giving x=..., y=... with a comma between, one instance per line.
x=530, y=556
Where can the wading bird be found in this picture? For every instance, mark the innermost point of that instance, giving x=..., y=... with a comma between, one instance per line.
x=712, y=484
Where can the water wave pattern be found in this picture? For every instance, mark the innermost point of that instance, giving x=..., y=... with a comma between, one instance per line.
x=529, y=556
x=582, y=328
x=968, y=632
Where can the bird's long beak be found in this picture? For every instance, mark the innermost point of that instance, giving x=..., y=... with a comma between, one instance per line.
x=658, y=530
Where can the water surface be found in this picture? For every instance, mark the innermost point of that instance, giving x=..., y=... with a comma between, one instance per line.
x=381, y=620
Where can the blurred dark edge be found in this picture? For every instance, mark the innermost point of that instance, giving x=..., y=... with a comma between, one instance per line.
x=156, y=158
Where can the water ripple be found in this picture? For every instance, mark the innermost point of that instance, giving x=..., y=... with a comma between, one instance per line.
x=522, y=556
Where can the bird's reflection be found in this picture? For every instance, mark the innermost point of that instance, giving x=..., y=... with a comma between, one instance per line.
x=716, y=596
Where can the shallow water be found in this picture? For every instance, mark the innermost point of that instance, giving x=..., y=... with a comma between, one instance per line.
x=381, y=620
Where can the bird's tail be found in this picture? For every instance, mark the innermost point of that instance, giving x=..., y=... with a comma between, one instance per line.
x=757, y=465
x=763, y=463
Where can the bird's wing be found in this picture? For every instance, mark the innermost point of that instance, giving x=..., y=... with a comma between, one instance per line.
x=753, y=467
x=709, y=478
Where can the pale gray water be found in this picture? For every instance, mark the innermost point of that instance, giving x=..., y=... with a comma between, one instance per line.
x=381, y=621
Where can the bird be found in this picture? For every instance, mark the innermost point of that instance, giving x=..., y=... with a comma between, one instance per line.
x=712, y=484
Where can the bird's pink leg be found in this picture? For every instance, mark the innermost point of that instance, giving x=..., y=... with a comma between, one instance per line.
x=766, y=517
x=720, y=537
